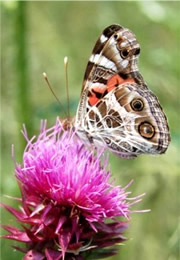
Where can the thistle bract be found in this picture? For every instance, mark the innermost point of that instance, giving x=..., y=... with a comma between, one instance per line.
x=69, y=205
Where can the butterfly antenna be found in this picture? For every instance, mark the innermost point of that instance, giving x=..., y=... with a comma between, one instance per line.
x=67, y=87
x=51, y=89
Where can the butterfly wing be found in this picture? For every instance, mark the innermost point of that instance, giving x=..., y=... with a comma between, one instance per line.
x=109, y=112
x=113, y=61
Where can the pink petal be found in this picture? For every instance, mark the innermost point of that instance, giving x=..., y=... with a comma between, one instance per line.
x=15, y=234
x=19, y=215
x=60, y=223
x=33, y=237
x=33, y=255
x=64, y=239
x=52, y=254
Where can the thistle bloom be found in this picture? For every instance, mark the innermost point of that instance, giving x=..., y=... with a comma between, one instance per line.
x=67, y=198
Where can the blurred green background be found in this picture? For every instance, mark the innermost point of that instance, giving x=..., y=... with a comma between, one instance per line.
x=35, y=38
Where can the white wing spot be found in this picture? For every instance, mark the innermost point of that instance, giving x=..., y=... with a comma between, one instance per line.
x=124, y=63
x=102, y=61
x=123, y=44
x=103, y=38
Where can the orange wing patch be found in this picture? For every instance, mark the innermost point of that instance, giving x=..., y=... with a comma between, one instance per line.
x=115, y=81
x=93, y=99
x=95, y=95
x=98, y=92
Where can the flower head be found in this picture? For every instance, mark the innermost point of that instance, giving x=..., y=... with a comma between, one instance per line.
x=67, y=198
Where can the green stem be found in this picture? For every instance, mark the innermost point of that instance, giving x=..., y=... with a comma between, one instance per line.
x=23, y=89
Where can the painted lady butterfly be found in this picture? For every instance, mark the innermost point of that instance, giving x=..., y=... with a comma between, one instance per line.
x=117, y=110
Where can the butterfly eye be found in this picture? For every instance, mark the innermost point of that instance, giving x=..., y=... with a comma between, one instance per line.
x=137, y=104
x=115, y=36
x=146, y=130
x=124, y=53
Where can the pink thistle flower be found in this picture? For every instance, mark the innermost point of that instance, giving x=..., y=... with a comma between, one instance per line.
x=67, y=198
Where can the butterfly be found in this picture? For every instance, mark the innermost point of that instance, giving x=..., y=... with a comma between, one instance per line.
x=117, y=110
